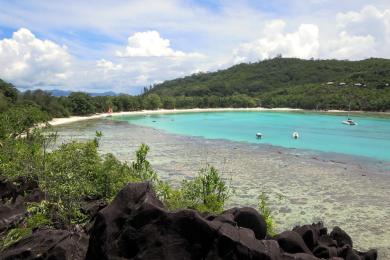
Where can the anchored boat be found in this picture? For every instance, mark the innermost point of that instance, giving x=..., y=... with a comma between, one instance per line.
x=349, y=121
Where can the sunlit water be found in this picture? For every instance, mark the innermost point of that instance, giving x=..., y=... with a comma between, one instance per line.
x=319, y=132
x=304, y=185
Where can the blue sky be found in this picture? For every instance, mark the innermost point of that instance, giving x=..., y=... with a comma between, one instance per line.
x=124, y=45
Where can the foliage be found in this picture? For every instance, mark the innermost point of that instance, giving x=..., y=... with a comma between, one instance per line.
x=39, y=214
x=19, y=120
x=21, y=156
x=13, y=236
x=8, y=93
x=152, y=101
x=38, y=217
x=207, y=192
x=286, y=82
x=141, y=167
x=112, y=177
x=81, y=103
x=265, y=211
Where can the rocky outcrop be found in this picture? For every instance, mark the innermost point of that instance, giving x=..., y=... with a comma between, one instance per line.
x=13, y=196
x=49, y=244
x=12, y=213
x=92, y=206
x=137, y=226
x=20, y=187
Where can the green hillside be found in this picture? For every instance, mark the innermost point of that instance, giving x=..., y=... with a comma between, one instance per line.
x=288, y=82
x=268, y=75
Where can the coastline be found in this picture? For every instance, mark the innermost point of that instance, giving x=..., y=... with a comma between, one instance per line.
x=299, y=176
x=72, y=119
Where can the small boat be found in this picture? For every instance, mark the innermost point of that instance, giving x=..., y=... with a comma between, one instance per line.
x=295, y=135
x=259, y=135
x=349, y=121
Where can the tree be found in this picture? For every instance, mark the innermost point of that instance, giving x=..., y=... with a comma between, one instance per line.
x=81, y=103
x=152, y=102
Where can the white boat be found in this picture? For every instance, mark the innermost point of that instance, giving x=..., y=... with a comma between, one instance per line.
x=295, y=135
x=349, y=122
x=259, y=135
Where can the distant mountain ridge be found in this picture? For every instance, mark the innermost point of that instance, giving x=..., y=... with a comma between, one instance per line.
x=65, y=93
x=279, y=73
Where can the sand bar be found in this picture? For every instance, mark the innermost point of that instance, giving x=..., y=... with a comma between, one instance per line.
x=72, y=119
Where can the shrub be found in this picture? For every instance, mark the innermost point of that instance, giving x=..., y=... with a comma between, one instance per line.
x=265, y=211
x=207, y=192
x=13, y=236
x=141, y=167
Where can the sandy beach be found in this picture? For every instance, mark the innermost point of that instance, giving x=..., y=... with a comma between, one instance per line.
x=72, y=119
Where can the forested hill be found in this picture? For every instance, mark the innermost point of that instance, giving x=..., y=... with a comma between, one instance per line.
x=261, y=77
x=308, y=84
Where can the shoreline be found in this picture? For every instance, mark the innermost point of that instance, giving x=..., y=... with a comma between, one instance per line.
x=73, y=119
x=299, y=176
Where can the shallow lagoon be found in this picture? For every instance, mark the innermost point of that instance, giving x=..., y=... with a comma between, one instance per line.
x=320, y=132
x=304, y=185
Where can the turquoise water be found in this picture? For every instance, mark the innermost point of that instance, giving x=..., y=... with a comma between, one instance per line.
x=318, y=132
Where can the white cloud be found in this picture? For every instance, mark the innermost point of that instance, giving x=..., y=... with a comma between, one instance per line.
x=107, y=65
x=151, y=44
x=348, y=46
x=364, y=33
x=26, y=60
x=167, y=37
x=303, y=43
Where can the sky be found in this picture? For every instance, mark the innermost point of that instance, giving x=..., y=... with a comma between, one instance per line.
x=123, y=46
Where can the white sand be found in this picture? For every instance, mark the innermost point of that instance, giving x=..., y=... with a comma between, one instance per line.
x=72, y=119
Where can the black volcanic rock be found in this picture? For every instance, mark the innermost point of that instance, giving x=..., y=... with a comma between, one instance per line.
x=12, y=213
x=92, y=207
x=7, y=189
x=341, y=237
x=292, y=242
x=13, y=196
x=137, y=226
x=249, y=218
x=20, y=187
x=49, y=244
x=311, y=233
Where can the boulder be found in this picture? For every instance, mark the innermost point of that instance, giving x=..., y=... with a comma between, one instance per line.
x=311, y=233
x=8, y=190
x=249, y=218
x=91, y=208
x=49, y=244
x=20, y=187
x=12, y=213
x=137, y=226
x=341, y=237
x=292, y=242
